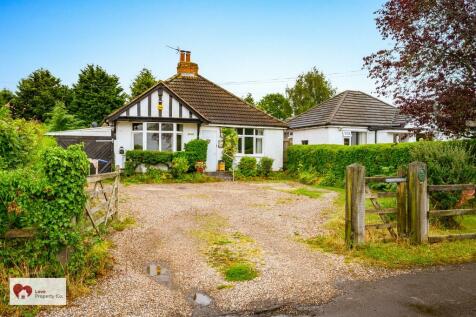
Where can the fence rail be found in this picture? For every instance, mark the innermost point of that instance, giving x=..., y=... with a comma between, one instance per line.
x=102, y=205
x=412, y=210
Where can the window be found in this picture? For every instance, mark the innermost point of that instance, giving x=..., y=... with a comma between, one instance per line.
x=157, y=136
x=250, y=141
x=356, y=138
x=304, y=142
x=137, y=131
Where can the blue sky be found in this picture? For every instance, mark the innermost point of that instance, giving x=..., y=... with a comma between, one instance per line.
x=245, y=46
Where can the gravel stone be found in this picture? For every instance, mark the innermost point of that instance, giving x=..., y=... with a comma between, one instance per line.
x=291, y=273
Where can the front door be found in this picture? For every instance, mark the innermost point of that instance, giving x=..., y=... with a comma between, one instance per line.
x=212, y=159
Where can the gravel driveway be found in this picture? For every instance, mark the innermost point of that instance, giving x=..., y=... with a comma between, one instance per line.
x=292, y=278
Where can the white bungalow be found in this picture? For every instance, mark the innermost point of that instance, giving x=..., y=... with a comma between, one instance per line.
x=350, y=118
x=187, y=106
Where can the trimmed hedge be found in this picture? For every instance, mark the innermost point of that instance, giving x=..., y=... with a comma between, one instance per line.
x=195, y=150
x=247, y=166
x=330, y=161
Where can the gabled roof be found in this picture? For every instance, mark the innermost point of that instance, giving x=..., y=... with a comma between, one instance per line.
x=350, y=108
x=217, y=105
x=209, y=102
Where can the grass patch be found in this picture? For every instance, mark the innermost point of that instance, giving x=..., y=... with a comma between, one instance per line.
x=232, y=253
x=125, y=223
x=393, y=255
x=305, y=191
x=240, y=272
x=283, y=201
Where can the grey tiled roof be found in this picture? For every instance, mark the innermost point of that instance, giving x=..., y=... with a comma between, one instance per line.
x=353, y=108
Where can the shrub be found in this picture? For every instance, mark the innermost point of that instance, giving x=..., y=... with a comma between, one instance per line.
x=265, y=166
x=46, y=200
x=136, y=157
x=447, y=163
x=330, y=161
x=19, y=139
x=230, y=146
x=179, y=166
x=247, y=166
x=196, y=150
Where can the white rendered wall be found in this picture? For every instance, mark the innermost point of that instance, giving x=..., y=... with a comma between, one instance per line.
x=124, y=139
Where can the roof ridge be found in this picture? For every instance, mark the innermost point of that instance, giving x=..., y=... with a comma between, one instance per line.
x=331, y=117
x=235, y=96
x=369, y=95
x=318, y=105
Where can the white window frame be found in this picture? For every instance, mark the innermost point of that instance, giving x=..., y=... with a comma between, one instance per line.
x=255, y=136
x=145, y=131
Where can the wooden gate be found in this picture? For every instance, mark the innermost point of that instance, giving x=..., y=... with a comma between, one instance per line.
x=412, y=210
x=96, y=147
x=103, y=201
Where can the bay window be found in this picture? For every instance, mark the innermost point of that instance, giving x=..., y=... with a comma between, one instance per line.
x=250, y=141
x=157, y=136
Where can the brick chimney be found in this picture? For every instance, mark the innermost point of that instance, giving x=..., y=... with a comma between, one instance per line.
x=185, y=67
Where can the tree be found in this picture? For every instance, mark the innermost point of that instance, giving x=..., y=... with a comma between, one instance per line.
x=143, y=81
x=61, y=120
x=430, y=70
x=276, y=105
x=249, y=99
x=5, y=96
x=96, y=94
x=37, y=94
x=311, y=89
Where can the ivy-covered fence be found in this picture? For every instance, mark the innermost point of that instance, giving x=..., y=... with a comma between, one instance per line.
x=48, y=201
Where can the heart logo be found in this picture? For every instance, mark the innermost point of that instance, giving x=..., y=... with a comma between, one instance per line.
x=18, y=288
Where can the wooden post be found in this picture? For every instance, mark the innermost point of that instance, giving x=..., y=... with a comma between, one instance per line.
x=354, y=205
x=418, y=202
x=402, y=213
x=116, y=196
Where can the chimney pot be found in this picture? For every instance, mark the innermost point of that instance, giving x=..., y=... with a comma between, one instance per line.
x=185, y=67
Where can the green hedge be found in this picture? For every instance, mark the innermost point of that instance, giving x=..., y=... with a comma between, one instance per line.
x=330, y=161
x=247, y=166
x=47, y=200
x=195, y=150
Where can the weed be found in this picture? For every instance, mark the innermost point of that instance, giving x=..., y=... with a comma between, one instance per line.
x=228, y=252
x=121, y=225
